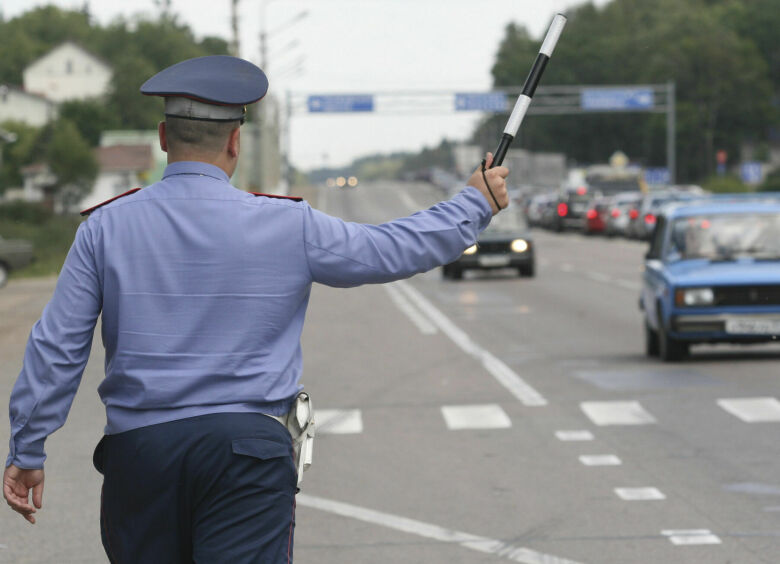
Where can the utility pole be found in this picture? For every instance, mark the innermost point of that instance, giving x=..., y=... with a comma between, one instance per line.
x=235, y=44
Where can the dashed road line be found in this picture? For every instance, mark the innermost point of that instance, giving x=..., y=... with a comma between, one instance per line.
x=688, y=537
x=617, y=413
x=628, y=284
x=600, y=460
x=753, y=410
x=598, y=276
x=480, y=544
x=507, y=377
x=640, y=494
x=489, y=416
x=578, y=435
x=338, y=421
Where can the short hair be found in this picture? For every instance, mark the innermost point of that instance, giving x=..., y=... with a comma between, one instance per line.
x=199, y=135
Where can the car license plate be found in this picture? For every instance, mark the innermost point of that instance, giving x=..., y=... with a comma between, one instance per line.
x=753, y=326
x=493, y=260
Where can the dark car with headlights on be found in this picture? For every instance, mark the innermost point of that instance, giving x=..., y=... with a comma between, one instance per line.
x=712, y=275
x=14, y=254
x=506, y=243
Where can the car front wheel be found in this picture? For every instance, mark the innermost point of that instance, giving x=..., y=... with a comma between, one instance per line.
x=651, y=340
x=669, y=348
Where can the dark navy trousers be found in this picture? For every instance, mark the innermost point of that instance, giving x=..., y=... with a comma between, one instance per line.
x=208, y=489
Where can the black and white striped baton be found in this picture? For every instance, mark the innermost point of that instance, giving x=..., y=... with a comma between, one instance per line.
x=524, y=100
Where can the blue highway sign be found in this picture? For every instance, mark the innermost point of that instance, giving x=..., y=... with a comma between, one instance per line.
x=617, y=99
x=657, y=176
x=483, y=102
x=341, y=103
x=751, y=172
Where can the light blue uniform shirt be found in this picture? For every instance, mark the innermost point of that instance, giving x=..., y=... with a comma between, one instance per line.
x=203, y=290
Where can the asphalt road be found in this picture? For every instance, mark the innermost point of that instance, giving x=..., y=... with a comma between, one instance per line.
x=494, y=419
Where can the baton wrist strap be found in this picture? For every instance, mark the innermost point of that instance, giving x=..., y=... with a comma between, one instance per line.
x=484, y=179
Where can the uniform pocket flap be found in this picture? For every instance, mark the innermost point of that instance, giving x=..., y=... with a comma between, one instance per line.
x=261, y=448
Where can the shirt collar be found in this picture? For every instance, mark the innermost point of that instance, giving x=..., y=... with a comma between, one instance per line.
x=195, y=167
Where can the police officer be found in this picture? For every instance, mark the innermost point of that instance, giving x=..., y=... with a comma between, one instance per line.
x=203, y=289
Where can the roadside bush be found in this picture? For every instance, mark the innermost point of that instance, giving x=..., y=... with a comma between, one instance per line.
x=24, y=212
x=771, y=183
x=728, y=184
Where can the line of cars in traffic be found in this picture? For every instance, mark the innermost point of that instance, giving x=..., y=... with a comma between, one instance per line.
x=711, y=272
x=630, y=214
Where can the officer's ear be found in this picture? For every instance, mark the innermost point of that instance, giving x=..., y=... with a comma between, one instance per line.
x=163, y=136
x=234, y=143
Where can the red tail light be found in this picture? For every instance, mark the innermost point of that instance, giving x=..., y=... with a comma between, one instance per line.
x=592, y=214
x=633, y=214
x=649, y=219
x=563, y=209
x=615, y=213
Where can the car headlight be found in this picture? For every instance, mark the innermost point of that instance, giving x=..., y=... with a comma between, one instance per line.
x=519, y=246
x=694, y=297
x=471, y=250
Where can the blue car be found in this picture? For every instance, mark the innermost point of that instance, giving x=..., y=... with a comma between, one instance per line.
x=712, y=274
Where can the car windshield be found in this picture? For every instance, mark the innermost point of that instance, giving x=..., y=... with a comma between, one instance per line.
x=508, y=221
x=726, y=237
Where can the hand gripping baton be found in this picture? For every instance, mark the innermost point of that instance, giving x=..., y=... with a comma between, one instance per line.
x=524, y=100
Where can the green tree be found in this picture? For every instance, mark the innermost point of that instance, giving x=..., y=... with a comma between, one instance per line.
x=17, y=154
x=91, y=118
x=70, y=159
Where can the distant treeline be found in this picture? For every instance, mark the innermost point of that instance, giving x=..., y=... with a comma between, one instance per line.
x=723, y=56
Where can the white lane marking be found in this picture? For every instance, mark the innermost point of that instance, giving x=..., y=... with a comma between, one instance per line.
x=574, y=435
x=409, y=201
x=338, y=421
x=617, y=413
x=566, y=267
x=507, y=377
x=427, y=530
x=489, y=416
x=687, y=537
x=598, y=276
x=600, y=460
x=752, y=410
x=628, y=284
x=639, y=494
x=422, y=322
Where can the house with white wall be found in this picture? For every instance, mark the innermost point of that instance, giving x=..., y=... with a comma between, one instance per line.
x=68, y=72
x=18, y=105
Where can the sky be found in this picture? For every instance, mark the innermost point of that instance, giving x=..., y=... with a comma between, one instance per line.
x=381, y=47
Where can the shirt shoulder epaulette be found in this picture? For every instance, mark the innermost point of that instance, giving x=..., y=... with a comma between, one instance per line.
x=101, y=204
x=293, y=198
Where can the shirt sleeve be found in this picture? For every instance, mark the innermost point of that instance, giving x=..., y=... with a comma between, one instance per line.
x=56, y=354
x=344, y=254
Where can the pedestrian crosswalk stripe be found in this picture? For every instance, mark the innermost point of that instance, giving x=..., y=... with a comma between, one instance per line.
x=338, y=421
x=687, y=537
x=753, y=410
x=489, y=416
x=640, y=494
x=600, y=460
x=580, y=435
x=617, y=413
